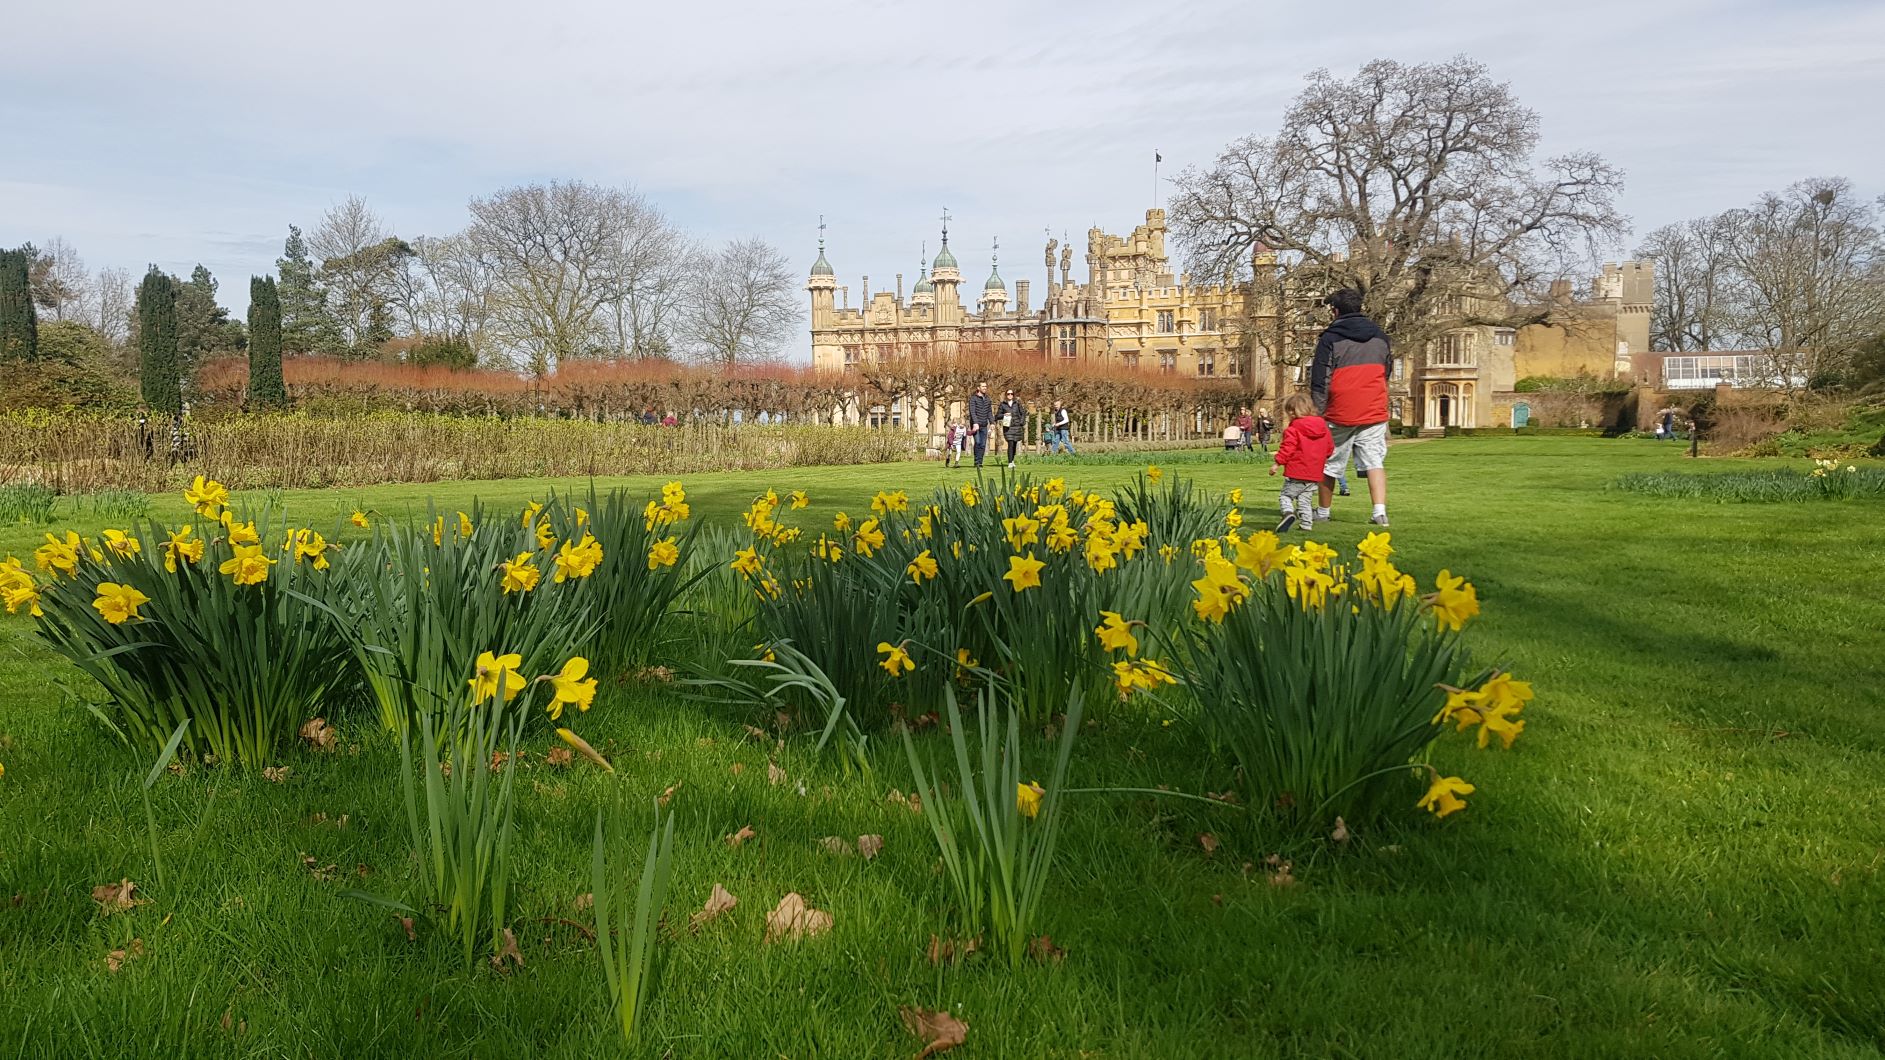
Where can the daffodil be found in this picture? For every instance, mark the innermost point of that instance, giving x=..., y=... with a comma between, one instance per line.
x=119, y=603
x=179, y=546
x=59, y=556
x=663, y=553
x=965, y=662
x=970, y=495
x=1115, y=633
x=1443, y=795
x=841, y=523
x=1028, y=797
x=1101, y=553
x=496, y=675
x=520, y=574
x=571, y=687
x=311, y=546
x=438, y=531
x=248, y=566
x=1168, y=553
x=1055, y=486
x=577, y=559
x=800, y=500
x=123, y=544
x=1453, y=601
x=1236, y=496
x=359, y=519
x=531, y=511
x=868, y=538
x=240, y=533
x=747, y=562
x=885, y=503
x=1021, y=530
x=465, y=527
x=546, y=536
x=923, y=566
x=827, y=549
x=896, y=661
x=1375, y=547
x=582, y=516
x=1024, y=572
x=17, y=588
x=1154, y=473
x=1219, y=590
x=925, y=525
x=206, y=496
x=1233, y=518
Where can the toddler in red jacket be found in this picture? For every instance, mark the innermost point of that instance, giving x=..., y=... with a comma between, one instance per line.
x=1302, y=453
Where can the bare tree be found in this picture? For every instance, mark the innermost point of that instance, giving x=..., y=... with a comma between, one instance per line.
x=652, y=271
x=61, y=285
x=443, y=290
x=555, y=251
x=113, y=301
x=360, y=262
x=742, y=303
x=1809, y=282
x=1415, y=184
x=1694, y=299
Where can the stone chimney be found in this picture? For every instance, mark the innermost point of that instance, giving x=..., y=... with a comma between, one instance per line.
x=1021, y=297
x=899, y=288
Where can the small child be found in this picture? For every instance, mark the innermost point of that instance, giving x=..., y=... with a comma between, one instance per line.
x=1302, y=453
x=958, y=440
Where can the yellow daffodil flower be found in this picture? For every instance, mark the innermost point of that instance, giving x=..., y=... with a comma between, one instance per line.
x=1453, y=601
x=123, y=544
x=531, y=511
x=1154, y=473
x=970, y=495
x=1028, y=797
x=1115, y=633
x=841, y=523
x=119, y=603
x=17, y=589
x=800, y=500
x=923, y=566
x=1443, y=796
x=747, y=562
x=1021, y=530
x=59, y=557
x=497, y=675
x=359, y=519
x=248, y=566
x=179, y=546
x=311, y=546
x=1375, y=547
x=206, y=496
x=896, y=661
x=1024, y=572
x=1219, y=590
x=1168, y=553
x=1233, y=518
x=572, y=688
x=1236, y=496
x=577, y=559
x=465, y=528
x=869, y=538
x=1054, y=487
x=520, y=574
x=546, y=537
x=663, y=553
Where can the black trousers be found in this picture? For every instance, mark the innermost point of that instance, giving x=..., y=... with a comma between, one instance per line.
x=1013, y=443
x=981, y=445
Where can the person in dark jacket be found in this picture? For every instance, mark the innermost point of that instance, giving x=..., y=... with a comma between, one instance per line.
x=1060, y=429
x=1265, y=427
x=981, y=414
x=1303, y=454
x=1014, y=423
x=1348, y=381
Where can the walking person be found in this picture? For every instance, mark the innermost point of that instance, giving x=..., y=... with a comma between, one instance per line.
x=981, y=415
x=1060, y=429
x=1014, y=423
x=1348, y=380
x=1246, y=424
x=1265, y=427
x=1303, y=454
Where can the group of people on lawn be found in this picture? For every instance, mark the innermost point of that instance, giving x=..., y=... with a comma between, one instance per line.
x=1343, y=417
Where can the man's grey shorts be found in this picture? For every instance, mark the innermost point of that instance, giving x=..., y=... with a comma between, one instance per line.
x=1368, y=443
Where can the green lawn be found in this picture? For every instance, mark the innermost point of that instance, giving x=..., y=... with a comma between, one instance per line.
x=1681, y=857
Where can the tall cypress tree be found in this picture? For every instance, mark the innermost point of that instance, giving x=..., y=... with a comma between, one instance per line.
x=19, y=323
x=157, y=342
x=266, y=387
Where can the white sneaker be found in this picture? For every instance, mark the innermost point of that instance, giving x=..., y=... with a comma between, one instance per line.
x=1379, y=520
x=1011, y=465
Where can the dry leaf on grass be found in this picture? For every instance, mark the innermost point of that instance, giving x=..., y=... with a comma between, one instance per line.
x=939, y=1030
x=757, y=733
x=323, y=873
x=508, y=956
x=718, y=902
x=277, y=774
x=559, y=757
x=834, y=845
x=792, y=920
x=319, y=735
x=951, y=950
x=406, y=922
x=774, y=775
x=746, y=832
x=1208, y=842
x=1340, y=835
x=869, y=846
x=1280, y=871
x=668, y=794
x=116, y=897
x=911, y=802
x=655, y=675
x=231, y=1024
x=584, y=902
x=737, y=768
x=1042, y=948
x=116, y=958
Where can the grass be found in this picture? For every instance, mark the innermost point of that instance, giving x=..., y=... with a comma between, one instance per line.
x=1772, y=485
x=1681, y=857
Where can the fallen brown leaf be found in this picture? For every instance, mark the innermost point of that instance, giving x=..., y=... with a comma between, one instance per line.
x=323, y=873
x=792, y=920
x=116, y=897
x=781, y=721
x=1340, y=835
x=508, y=956
x=668, y=794
x=951, y=950
x=362, y=869
x=719, y=901
x=406, y=922
x=746, y=832
x=939, y=1030
x=585, y=902
x=1042, y=948
x=1280, y=871
x=116, y=958
x=911, y=802
x=869, y=846
x=230, y=1024
x=655, y=674
x=737, y=768
x=1208, y=842
x=277, y=774
x=499, y=759
x=774, y=775
x=834, y=845
x=319, y=735
x=757, y=733
x=559, y=757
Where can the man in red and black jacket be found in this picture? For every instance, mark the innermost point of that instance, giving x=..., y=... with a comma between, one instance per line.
x=1349, y=382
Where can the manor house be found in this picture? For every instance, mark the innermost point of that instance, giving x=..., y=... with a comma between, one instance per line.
x=1133, y=311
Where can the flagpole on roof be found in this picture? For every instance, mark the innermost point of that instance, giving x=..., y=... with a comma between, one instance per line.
x=1156, y=159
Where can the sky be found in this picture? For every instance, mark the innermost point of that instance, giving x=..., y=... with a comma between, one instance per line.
x=194, y=132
